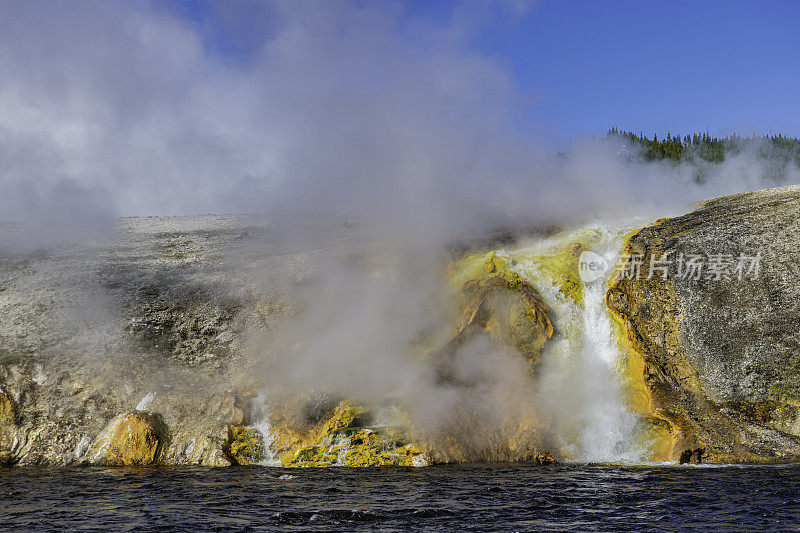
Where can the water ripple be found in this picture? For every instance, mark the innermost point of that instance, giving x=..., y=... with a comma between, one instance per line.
x=467, y=498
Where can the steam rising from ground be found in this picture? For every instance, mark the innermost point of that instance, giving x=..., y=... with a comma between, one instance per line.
x=112, y=108
x=334, y=109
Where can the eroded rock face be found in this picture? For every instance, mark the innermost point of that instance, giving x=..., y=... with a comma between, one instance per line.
x=135, y=438
x=491, y=301
x=498, y=301
x=714, y=364
x=246, y=446
x=346, y=437
x=718, y=360
x=8, y=429
x=100, y=327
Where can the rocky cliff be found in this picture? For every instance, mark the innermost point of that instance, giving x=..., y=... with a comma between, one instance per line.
x=146, y=345
x=712, y=333
x=112, y=346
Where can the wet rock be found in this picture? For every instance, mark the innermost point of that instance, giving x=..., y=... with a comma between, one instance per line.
x=495, y=299
x=345, y=439
x=544, y=458
x=134, y=438
x=715, y=353
x=691, y=456
x=246, y=446
x=8, y=429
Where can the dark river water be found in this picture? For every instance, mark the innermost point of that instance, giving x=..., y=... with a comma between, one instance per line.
x=446, y=498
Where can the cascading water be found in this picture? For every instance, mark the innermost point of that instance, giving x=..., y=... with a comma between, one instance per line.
x=579, y=380
x=580, y=376
x=260, y=414
x=609, y=426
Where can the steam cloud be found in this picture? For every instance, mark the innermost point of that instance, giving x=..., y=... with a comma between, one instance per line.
x=117, y=109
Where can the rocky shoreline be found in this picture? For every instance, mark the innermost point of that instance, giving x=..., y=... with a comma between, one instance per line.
x=145, y=346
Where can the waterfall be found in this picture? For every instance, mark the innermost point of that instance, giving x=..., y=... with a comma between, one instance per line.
x=342, y=446
x=579, y=379
x=609, y=427
x=260, y=414
x=580, y=373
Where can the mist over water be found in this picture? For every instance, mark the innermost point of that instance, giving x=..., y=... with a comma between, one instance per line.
x=580, y=380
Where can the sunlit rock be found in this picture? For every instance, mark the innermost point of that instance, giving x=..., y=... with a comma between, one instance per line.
x=134, y=438
x=713, y=350
x=497, y=300
x=8, y=429
x=346, y=439
x=246, y=445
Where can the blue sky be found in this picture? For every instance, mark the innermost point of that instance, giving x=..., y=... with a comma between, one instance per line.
x=584, y=66
x=657, y=66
